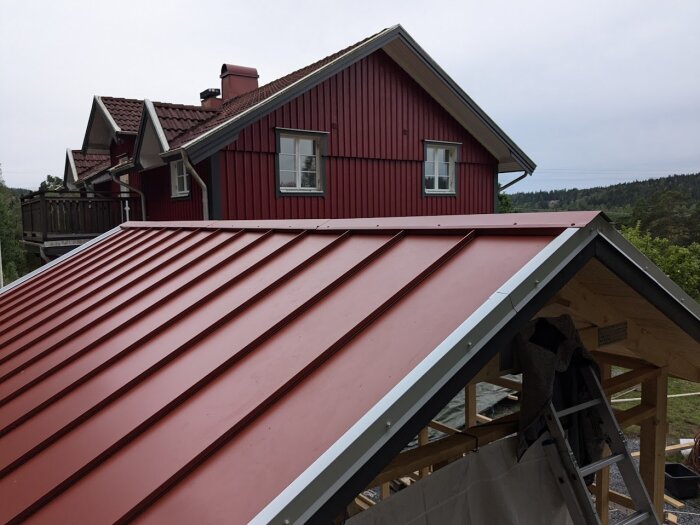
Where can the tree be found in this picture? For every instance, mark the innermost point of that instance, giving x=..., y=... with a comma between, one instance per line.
x=13, y=257
x=680, y=263
x=51, y=184
x=505, y=205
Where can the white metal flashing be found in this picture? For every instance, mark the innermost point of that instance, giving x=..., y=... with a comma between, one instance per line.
x=60, y=260
x=306, y=494
x=155, y=122
x=71, y=163
x=281, y=92
x=107, y=115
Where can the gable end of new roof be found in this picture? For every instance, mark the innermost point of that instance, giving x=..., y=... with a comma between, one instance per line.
x=401, y=47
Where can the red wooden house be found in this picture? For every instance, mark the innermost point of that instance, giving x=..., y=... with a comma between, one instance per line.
x=377, y=129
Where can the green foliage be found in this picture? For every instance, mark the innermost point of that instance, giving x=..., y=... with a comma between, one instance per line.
x=51, y=184
x=505, y=205
x=14, y=263
x=680, y=263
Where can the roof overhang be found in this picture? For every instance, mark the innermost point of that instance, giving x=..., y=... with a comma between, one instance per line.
x=70, y=173
x=101, y=129
x=401, y=47
x=151, y=141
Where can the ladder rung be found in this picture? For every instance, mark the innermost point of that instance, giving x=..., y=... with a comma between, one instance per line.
x=598, y=465
x=578, y=408
x=637, y=517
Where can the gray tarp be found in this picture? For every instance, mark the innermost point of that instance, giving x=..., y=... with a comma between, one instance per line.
x=485, y=487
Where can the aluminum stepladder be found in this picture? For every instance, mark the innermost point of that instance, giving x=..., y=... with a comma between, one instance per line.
x=571, y=476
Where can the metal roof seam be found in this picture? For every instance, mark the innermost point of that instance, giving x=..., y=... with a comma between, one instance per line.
x=324, y=356
x=49, y=267
x=78, y=300
x=83, y=283
x=72, y=272
x=294, y=505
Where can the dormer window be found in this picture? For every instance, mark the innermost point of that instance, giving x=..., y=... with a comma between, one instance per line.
x=300, y=162
x=439, y=168
x=179, y=179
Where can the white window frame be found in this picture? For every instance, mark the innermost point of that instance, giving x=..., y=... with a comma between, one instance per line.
x=179, y=179
x=297, y=136
x=453, y=148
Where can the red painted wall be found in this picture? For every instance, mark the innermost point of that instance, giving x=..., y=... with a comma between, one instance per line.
x=160, y=206
x=377, y=118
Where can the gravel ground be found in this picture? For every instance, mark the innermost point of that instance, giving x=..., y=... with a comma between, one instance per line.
x=689, y=515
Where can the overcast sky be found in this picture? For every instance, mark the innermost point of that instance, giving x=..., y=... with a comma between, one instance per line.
x=594, y=92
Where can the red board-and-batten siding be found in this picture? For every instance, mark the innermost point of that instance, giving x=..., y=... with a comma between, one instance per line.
x=377, y=118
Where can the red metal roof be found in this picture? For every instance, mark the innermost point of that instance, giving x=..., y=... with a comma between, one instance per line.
x=189, y=372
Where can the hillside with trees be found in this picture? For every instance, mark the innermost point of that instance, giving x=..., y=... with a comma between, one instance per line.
x=661, y=217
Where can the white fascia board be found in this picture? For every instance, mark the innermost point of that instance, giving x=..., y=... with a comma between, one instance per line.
x=317, y=484
x=282, y=92
x=60, y=260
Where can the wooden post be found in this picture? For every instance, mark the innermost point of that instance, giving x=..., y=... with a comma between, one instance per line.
x=652, y=457
x=423, y=440
x=602, y=477
x=386, y=491
x=470, y=412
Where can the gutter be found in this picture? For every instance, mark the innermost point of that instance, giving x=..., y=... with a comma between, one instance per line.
x=193, y=173
x=113, y=176
x=514, y=181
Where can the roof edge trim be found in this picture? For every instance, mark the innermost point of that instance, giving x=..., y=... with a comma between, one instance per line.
x=155, y=122
x=337, y=465
x=71, y=163
x=60, y=260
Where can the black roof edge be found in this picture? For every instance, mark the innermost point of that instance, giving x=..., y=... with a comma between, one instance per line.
x=358, y=482
x=226, y=134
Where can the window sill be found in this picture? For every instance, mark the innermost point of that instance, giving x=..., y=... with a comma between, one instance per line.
x=181, y=196
x=300, y=193
x=439, y=193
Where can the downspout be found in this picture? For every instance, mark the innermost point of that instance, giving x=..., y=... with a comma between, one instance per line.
x=130, y=188
x=205, y=192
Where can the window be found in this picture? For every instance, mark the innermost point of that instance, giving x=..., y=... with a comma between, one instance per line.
x=179, y=179
x=439, y=168
x=299, y=162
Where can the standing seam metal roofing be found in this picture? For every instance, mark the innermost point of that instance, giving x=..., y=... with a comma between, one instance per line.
x=190, y=372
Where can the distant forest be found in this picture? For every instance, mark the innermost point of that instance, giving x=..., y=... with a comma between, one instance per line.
x=668, y=207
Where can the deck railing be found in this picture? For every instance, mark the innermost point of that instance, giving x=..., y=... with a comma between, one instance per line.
x=72, y=215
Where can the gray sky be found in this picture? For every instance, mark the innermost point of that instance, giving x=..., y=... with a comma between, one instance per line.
x=595, y=92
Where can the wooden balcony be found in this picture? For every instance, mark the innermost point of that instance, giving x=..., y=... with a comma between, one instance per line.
x=57, y=221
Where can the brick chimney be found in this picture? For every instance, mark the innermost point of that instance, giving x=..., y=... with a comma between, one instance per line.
x=237, y=80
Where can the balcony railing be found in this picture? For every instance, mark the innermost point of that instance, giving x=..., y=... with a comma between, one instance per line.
x=73, y=215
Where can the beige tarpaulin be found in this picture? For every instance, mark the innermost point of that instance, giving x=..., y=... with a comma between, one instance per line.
x=486, y=487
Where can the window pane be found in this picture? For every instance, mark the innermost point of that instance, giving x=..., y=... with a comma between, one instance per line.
x=429, y=182
x=287, y=162
x=288, y=179
x=445, y=155
x=307, y=147
x=287, y=145
x=429, y=169
x=307, y=163
x=443, y=169
x=444, y=183
x=430, y=154
x=308, y=179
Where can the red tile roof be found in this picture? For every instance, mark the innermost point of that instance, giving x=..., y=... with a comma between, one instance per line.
x=90, y=164
x=204, y=366
x=235, y=106
x=175, y=119
x=126, y=112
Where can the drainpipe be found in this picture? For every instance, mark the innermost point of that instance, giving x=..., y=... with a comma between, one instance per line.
x=205, y=192
x=130, y=188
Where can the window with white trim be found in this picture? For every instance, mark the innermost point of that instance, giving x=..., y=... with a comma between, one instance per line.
x=179, y=179
x=439, y=168
x=299, y=163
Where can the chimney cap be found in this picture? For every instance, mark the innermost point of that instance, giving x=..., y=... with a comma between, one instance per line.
x=209, y=93
x=241, y=71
